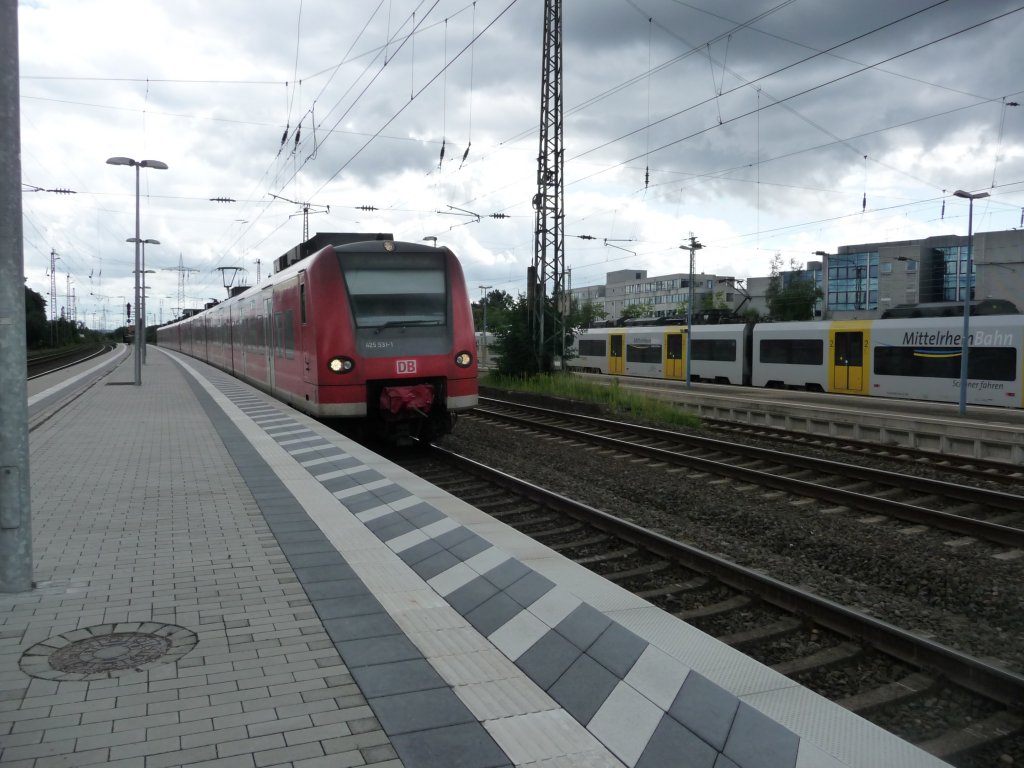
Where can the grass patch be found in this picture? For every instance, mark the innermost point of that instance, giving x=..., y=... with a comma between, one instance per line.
x=617, y=399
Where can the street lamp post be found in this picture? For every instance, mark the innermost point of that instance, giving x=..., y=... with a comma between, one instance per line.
x=142, y=306
x=139, y=317
x=431, y=239
x=692, y=247
x=485, y=289
x=965, y=346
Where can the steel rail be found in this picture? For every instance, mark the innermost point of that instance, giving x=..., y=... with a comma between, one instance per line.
x=964, y=526
x=73, y=356
x=985, y=679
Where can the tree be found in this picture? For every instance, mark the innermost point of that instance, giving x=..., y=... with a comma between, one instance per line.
x=637, y=310
x=714, y=300
x=584, y=316
x=514, y=343
x=792, y=298
x=36, y=331
x=499, y=304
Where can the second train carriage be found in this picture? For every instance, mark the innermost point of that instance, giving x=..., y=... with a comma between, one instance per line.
x=913, y=358
x=379, y=331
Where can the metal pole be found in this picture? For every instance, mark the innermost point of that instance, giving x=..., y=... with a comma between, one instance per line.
x=15, y=509
x=139, y=327
x=965, y=344
x=692, y=247
x=142, y=282
x=689, y=315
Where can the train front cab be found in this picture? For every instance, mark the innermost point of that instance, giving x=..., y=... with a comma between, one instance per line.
x=849, y=344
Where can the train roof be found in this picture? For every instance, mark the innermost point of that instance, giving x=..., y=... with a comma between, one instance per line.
x=952, y=309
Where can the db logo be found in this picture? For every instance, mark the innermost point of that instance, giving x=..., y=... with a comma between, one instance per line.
x=405, y=366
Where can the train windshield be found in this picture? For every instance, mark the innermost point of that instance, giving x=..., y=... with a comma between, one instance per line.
x=396, y=290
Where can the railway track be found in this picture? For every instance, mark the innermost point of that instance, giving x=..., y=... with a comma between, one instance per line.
x=978, y=468
x=947, y=702
x=40, y=365
x=981, y=513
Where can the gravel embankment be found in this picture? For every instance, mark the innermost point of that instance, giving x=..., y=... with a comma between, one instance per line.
x=959, y=595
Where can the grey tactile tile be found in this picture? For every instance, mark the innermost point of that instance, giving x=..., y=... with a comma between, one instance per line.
x=469, y=596
x=420, y=552
x=385, y=518
x=757, y=741
x=530, y=588
x=400, y=677
x=363, y=627
x=617, y=649
x=328, y=568
x=394, y=530
x=321, y=590
x=377, y=650
x=345, y=607
x=583, y=688
x=434, y=565
x=672, y=744
x=706, y=709
x=583, y=626
x=361, y=502
x=548, y=659
x=470, y=546
x=455, y=536
x=447, y=748
x=420, y=710
x=493, y=614
x=507, y=574
x=422, y=514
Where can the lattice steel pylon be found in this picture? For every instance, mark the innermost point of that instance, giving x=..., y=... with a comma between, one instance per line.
x=547, y=317
x=182, y=271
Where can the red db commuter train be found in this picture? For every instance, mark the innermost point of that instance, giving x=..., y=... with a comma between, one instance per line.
x=379, y=331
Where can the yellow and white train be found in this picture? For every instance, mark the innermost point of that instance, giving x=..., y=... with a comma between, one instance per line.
x=912, y=358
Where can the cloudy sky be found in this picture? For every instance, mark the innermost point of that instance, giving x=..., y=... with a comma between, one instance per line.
x=763, y=127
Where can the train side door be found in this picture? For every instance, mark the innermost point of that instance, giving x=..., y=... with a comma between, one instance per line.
x=269, y=338
x=616, y=353
x=675, y=354
x=848, y=350
x=306, y=337
x=243, y=338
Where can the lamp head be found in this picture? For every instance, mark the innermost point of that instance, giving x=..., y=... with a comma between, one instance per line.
x=969, y=196
x=120, y=161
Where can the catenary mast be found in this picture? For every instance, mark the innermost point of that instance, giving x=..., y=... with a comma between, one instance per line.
x=548, y=269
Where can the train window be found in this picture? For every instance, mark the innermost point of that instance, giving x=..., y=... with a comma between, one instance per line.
x=302, y=301
x=592, y=348
x=284, y=334
x=675, y=347
x=398, y=289
x=792, y=351
x=719, y=350
x=643, y=353
x=849, y=349
x=991, y=363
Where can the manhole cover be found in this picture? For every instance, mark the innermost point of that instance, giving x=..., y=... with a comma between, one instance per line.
x=107, y=650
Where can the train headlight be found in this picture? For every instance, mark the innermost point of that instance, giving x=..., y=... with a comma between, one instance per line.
x=340, y=364
x=463, y=359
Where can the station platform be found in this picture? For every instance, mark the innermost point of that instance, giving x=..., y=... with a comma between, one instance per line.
x=222, y=582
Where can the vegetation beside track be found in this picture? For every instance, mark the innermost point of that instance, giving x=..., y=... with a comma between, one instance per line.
x=613, y=399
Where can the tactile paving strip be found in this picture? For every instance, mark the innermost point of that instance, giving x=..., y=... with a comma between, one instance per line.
x=642, y=704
